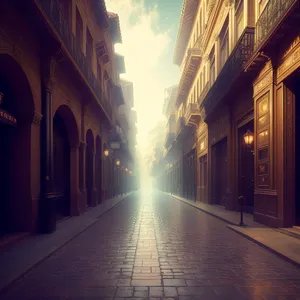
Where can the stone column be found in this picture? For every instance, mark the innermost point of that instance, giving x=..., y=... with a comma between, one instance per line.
x=48, y=203
x=74, y=182
x=94, y=190
x=181, y=170
x=217, y=56
x=232, y=28
x=35, y=171
x=82, y=185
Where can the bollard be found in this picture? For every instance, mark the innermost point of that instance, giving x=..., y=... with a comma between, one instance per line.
x=241, y=200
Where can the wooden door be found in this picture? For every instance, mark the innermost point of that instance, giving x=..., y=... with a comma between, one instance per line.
x=61, y=153
x=246, y=167
x=203, y=178
x=297, y=149
x=219, y=172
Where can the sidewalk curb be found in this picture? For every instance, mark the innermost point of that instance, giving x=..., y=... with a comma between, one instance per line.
x=6, y=287
x=203, y=210
x=277, y=253
x=230, y=225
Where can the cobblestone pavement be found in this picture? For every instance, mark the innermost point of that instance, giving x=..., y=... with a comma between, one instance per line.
x=154, y=247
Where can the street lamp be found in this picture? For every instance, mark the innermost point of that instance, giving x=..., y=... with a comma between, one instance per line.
x=106, y=152
x=126, y=170
x=248, y=138
x=118, y=162
x=248, y=141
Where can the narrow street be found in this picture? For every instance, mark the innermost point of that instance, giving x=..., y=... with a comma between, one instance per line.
x=152, y=246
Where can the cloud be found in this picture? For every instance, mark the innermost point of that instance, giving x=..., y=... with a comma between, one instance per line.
x=144, y=49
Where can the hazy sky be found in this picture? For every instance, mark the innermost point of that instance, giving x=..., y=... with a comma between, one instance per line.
x=149, y=30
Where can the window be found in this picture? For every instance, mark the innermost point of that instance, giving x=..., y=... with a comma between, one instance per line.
x=89, y=46
x=239, y=20
x=212, y=67
x=66, y=9
x=79, y=30
x=224, y=44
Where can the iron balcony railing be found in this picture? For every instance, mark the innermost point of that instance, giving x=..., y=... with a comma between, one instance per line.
x=55, y=16
x=231, y=70
x=271, y=16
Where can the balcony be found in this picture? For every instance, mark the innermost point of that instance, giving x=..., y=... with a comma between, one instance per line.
x=171, y=131
x=180, y=126
x=170, y=138
x=190, y=67
x=271, y=18
x=192, y=114
x=102, y=52
x=117, y=95
x=120, y=62
x=229, y=73
x=275, y=22
x=114, y=25
x=55, y=18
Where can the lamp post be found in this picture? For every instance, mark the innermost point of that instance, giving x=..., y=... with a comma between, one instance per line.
x=106, y=152
x=118, y=163
x=106, y=171
x=248, y=141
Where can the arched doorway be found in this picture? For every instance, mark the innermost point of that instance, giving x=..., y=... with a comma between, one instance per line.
x=89, y=165
x=65, y=137
x=16, y=115
x=98, y=171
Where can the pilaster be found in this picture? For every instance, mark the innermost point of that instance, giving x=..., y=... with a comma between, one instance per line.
x=74, y=182
x=48, y=216
x=82, y=180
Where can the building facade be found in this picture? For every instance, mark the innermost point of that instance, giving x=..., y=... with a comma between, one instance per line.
x=59, y=95
x=239, y=71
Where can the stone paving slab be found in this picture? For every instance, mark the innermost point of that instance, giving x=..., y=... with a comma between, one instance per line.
x=30, y=251
x=198, y=258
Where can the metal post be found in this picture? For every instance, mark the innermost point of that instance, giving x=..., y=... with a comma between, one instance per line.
x=241, y=199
